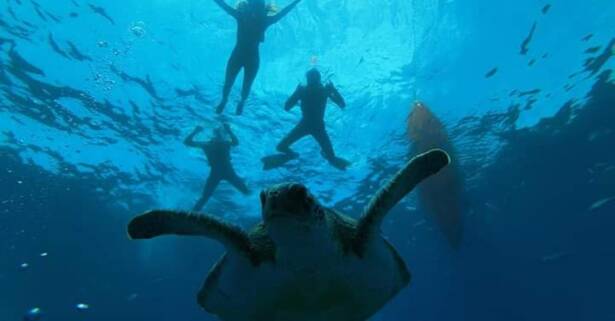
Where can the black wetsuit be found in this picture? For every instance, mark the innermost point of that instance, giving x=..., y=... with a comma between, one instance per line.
x=218, y=153
x=251, y=27
x=250, y=33
x=313, y=104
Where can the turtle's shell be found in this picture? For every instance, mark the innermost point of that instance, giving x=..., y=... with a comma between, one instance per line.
x=340, y=286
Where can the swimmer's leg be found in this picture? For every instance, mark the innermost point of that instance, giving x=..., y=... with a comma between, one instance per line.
x=238, y=183
x=321, y=136
x=249, y=74
x=233, y=67
x=296, y=134
x=208, y=190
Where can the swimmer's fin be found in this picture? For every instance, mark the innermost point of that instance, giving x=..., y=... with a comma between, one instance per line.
x=339, y=163
x=277, y=160
x=336, y=162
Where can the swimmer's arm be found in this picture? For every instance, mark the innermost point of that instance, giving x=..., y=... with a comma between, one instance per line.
x=189, y=141
x=234, y=140
x=293, y=99
x=283, y=13
x=335, y=96
x=226, y=8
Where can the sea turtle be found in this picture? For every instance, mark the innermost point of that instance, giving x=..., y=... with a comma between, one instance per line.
x=303, y=262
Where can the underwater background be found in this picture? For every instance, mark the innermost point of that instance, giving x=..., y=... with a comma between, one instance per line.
x=97, y=96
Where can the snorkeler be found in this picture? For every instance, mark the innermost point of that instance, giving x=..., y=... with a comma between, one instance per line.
x=252, y=22
x=313, y=97
x=218, y=152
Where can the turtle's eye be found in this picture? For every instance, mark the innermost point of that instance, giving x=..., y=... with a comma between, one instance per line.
x=263, y=198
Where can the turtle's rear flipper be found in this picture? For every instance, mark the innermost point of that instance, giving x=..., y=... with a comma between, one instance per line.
x=415, y=171
x=157, y=223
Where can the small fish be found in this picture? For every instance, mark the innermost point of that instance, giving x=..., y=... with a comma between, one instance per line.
x=75, y=53
x=546, y=9
x=599, y=133
x=419, y=223
x=588, y=37
x=101, y=12
x=491, y=73
x=492, y=207
x=82, y=306
x=532, y=92
x=554, y=257
x=601, y=203
x=530, y=103
x=44, y=254
x=592, y=50
x=34, y=314
x=526, y=43
x=593, y=65
x=24, y=266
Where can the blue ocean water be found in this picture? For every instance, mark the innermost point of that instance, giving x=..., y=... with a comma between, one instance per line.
x=97, y=96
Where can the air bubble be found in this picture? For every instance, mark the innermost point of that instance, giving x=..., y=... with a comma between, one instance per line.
x=138, y=29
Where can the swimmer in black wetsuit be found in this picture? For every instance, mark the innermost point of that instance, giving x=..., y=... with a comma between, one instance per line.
x=218, y=152
x=252, y=22
x=313, y=99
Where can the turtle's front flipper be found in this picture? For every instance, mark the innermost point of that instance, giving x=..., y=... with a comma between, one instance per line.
x=415, y=171
x=158, y=223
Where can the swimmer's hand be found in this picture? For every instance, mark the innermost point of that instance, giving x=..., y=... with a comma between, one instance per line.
x=288, y=107
x=331, y=88
x=335, y=95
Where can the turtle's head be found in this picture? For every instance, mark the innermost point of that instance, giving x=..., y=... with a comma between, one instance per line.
x=295, y=222
x=289, y=203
